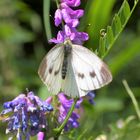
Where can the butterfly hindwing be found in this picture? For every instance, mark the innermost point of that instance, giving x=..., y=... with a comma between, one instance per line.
x=90, y=71
x=50, y=69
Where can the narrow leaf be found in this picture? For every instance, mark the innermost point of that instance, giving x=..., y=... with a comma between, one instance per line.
x=124, y=12
x=109, y=36
x=134, y=101
x=116, y=25
x=101, y=47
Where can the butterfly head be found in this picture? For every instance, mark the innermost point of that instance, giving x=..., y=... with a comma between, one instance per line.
x=67, y=47
x=68, y=42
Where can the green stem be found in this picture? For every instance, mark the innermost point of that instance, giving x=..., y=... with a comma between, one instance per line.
x=46, y=16
x=55, y=107
x=58, y=130
x=57, y=3
x=135, y=103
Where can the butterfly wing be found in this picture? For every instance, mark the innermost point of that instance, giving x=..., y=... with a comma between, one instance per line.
x=89, y=70
x=50, y=69
x=69, y=85
x=85, y=71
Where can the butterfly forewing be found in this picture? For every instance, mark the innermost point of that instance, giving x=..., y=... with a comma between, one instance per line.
x=50, y=69
x=90, y=71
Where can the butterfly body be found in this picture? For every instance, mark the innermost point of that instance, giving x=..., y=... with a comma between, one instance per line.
x=73, y=69
x=67, y=52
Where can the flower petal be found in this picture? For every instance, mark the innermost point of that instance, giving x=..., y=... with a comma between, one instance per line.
x=58, y=17
x=72, y=3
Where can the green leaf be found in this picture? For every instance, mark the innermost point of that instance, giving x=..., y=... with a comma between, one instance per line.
x=46, y=14
x=118, y=23
x=124, y=12
x=109, y=37
x=101, y=47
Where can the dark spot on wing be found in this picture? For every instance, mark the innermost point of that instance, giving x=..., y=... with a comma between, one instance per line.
x=92, y=74
x=42, y=68
x=105, y=74
x=50, y=70
x=56, y=72
x=81, y=75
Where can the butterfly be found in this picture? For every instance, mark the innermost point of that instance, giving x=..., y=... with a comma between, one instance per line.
x=73, y=69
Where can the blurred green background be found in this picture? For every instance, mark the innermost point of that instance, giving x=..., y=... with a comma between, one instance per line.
x=23, y=44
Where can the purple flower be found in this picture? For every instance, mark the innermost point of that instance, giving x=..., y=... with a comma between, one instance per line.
x=71, y=33
x=72, y=3
x=90, y=97
x=65, y=105
x=58, y=17
x=70, y=18
x=60, y=38
x=40, y=136
x=28, y=115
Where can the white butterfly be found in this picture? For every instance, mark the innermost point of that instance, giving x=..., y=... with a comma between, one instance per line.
x=73, y=69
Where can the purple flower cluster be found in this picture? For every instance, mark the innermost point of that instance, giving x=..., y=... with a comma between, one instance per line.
x=65, y=14
x=65, y=105
x=28, y=115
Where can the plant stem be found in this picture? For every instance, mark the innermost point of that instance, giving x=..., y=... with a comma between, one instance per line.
x=57, y=4
x=135, y=103
x=58, y=130
x=46, y=13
